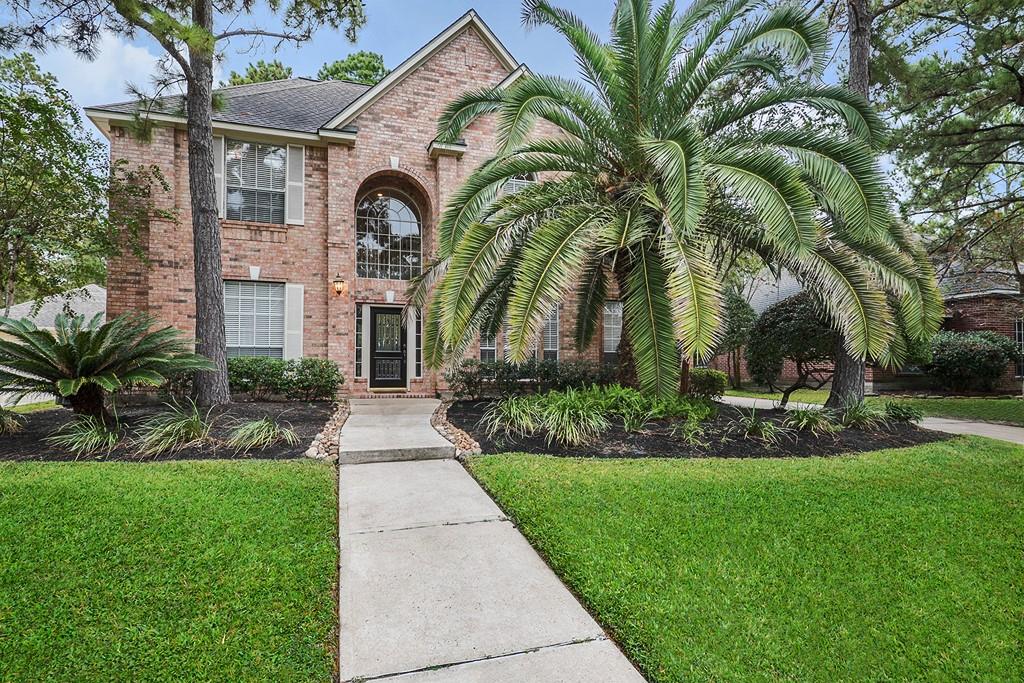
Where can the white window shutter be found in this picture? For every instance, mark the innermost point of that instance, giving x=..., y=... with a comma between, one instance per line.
x=218, y=172
x=293, y=319
x=295, y=198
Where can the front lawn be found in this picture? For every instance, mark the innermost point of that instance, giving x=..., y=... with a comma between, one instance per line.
x=984, y=409
x=893, y=565
x=177, y=571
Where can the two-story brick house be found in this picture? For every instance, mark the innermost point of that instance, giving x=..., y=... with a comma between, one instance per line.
x=325, y=186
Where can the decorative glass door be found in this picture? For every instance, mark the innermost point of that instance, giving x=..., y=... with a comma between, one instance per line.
x=387, y=348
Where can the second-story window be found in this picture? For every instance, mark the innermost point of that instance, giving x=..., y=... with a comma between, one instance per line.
x=255, y=181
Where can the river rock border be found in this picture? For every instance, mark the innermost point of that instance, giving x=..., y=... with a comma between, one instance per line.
x=325, y=444
x=463, y=442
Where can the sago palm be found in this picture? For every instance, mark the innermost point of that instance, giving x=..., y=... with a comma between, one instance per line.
x=83, y=360
x=696, y=134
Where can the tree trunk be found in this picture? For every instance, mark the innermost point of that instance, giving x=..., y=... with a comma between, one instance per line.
x=847, y=386
x=90, y=400
x=627, y=368
x=684, y=378
x=211, y=386
x=848, y=378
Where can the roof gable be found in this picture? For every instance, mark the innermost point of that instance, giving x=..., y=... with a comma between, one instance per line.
x=439, y=42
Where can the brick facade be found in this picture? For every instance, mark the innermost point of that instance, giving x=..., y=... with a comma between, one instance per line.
x=391, y=150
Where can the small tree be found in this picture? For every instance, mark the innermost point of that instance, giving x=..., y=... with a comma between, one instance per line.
x=63, y=208
x=791, y=330
x=361, y=67
x=260, y=72
x=739, y=319
x=85, y=360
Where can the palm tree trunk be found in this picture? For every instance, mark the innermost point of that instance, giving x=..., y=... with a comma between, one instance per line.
x=210, y=386
x=90, y=401
x=848, y=379
x=624, y=354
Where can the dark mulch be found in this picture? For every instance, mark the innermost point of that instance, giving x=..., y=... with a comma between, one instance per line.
x=307, y=419
x=722, y=435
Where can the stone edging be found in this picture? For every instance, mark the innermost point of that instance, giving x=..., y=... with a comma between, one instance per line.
x=463, y=442
x=325, y=444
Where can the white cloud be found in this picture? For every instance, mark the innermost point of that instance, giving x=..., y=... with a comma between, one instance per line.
x=104, y=79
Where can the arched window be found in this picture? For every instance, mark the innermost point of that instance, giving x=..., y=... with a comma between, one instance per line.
x=388, y=236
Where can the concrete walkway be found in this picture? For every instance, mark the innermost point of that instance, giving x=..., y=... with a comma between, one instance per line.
x=437, y=586
x=382, y=429
x=939, y=424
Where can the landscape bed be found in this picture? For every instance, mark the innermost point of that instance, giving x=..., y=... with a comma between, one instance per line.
x=305, y=418
x=169, y=571
x=722, y=437
x=893, y=565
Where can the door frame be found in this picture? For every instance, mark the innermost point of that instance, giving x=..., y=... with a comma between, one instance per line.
x=370, y=340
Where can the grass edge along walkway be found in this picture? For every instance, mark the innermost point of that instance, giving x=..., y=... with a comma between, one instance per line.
x=895, y=565
x=172, y=571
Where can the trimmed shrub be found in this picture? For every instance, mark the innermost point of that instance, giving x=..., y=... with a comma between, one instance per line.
x=970, y=360
x=707, y=383
x=312, y=379
x=302, y=379
x=258, y=376
x=466, y=380
x=473, y=380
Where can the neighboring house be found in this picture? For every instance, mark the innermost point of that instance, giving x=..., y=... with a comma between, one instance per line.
x=326, y=186
x=974, y=302
x=86, y=301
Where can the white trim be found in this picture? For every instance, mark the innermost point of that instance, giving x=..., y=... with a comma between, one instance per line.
x=102, y=118
x=345, y=137
x=987, y=292
x=446, y=149
x=353, y=110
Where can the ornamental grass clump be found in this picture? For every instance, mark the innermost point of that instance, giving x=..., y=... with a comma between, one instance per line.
x=812, y=420
x=87, y=435
x=10, y=422
x=515, y=416
x=260, y=434
x=863, y=416
x=177, y=428
x=573, y=417
x=898, y=411
x=756, y=427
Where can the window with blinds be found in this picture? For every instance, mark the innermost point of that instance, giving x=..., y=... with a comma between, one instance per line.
x=255, y=181
x=488, y=347
x=254, y=318
x=517, y=183
x=549, y=336
x=612, y=331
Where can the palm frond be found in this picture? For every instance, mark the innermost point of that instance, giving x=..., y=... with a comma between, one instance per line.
x=647, y=320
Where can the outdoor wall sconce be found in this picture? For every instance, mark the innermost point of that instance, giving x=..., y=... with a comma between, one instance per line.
x=340, y=286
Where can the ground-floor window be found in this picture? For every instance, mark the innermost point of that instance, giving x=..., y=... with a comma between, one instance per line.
x=612, y=327
x=488, y=347
x=1019, y=333
x=550, y=335
x=254, y=318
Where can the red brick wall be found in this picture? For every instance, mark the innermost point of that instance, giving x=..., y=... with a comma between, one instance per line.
x=396, y=128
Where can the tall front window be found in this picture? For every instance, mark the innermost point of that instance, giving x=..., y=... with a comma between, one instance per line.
x=254, y=318
x=550, y=334
x=388, y=244
x=255, y=180
x=612, y=331
x=488, y=347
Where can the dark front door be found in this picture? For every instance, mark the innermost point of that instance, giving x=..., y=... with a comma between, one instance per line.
x=387, y=348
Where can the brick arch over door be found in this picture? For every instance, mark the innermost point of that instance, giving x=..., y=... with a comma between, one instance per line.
x=412, y=200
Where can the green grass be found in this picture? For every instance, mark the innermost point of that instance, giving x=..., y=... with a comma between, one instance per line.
x=204, y=571
x=893, y=565
x=33, y=407
x=984, y=409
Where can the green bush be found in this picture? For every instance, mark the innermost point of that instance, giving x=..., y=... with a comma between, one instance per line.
x=971, y=360
x=897, y=411
x=472, y=379
x=707, y=383
x=302, y=379
x=312, y=379
x=259, y=377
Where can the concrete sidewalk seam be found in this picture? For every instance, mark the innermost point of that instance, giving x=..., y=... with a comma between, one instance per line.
x=382, y=530
x=449, y=665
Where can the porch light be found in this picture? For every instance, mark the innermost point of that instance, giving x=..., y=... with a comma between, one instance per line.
x=340, y=285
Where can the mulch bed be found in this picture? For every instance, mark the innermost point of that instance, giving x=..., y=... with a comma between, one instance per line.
x=307, y=419
x=722, y=434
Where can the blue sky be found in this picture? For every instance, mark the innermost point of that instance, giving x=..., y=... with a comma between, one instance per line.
x=394, y=28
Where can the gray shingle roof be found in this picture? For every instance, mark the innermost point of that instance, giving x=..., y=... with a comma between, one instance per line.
x=962, y=284
x=87, y=301
x=296, y=104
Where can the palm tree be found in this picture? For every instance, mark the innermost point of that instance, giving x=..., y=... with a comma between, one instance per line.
x=83, y=360
x=696, y=134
